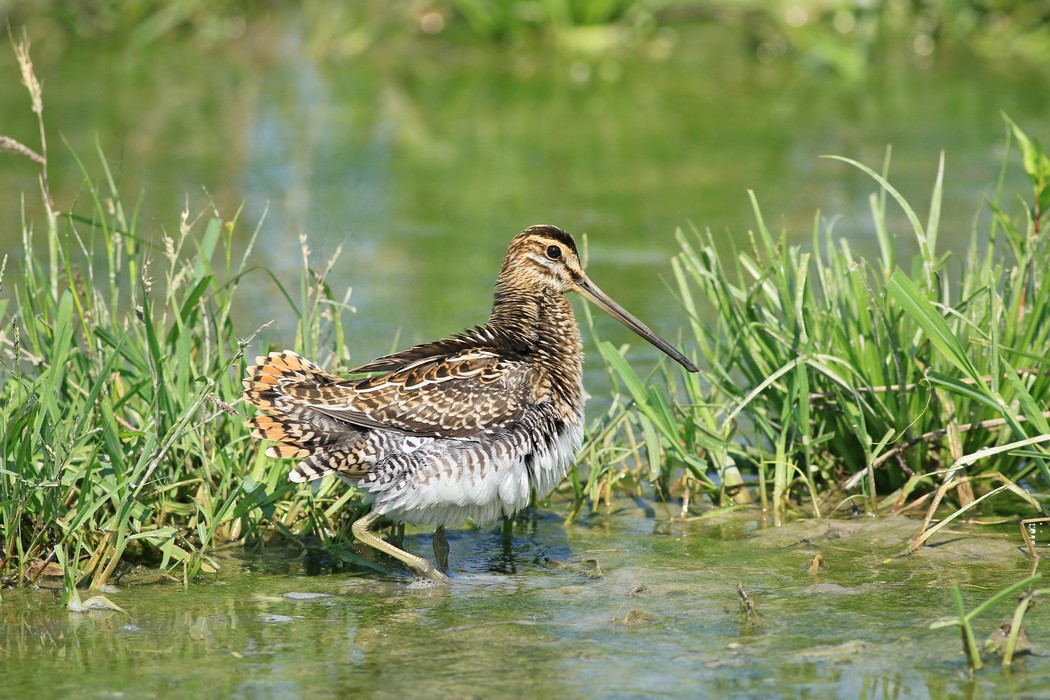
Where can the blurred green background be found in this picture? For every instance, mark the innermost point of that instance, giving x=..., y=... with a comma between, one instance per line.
x=420, y=136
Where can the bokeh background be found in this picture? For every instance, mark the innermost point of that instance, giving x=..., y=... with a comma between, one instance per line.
x=420, y=136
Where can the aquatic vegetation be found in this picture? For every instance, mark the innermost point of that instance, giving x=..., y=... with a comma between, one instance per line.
x=117, y=442
x=118, y=438
x=1006, y=642
x=844, y=383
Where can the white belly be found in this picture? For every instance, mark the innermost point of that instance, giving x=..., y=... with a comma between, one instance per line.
x=444, y=482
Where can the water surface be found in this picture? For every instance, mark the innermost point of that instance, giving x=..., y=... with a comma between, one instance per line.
x=639, y=605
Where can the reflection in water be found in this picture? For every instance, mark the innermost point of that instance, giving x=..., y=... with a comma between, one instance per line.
x=663, y=620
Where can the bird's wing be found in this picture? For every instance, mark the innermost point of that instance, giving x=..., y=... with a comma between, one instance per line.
x=458, y=393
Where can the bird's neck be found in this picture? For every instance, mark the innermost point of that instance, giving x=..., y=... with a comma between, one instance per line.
x=546, y=325
x=535, y=316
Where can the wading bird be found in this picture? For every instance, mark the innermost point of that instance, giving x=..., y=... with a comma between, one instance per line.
x=469, y=427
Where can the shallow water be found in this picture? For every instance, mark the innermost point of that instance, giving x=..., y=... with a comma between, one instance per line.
x=627, y=604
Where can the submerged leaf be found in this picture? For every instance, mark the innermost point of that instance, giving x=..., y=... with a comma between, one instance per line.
x=98, y=602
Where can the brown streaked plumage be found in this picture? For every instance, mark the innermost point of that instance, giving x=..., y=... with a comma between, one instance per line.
x=469, y=427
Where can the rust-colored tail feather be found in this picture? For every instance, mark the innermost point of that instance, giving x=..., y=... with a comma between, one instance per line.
x=299, y=431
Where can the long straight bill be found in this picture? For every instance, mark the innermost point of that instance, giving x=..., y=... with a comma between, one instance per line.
x=596, y=296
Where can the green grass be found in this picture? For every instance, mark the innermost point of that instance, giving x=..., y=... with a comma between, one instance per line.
x=843, y=383
x=829, y=383
x=118, y=440
x=1015, y=637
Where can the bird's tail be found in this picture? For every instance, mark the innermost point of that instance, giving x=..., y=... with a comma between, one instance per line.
x=299, y=431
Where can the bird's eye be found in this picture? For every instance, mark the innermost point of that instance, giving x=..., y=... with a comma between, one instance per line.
x=553, y=252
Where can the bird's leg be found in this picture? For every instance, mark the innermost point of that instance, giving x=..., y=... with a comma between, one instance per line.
x=364, y=535
x=441, y=549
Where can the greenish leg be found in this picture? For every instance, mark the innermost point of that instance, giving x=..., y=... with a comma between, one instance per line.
x=441, y=549
x=419, y=565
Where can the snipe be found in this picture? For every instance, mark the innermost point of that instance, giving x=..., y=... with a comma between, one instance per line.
x=466, y=427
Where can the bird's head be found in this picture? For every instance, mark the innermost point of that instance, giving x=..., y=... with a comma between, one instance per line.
x=545, y=258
